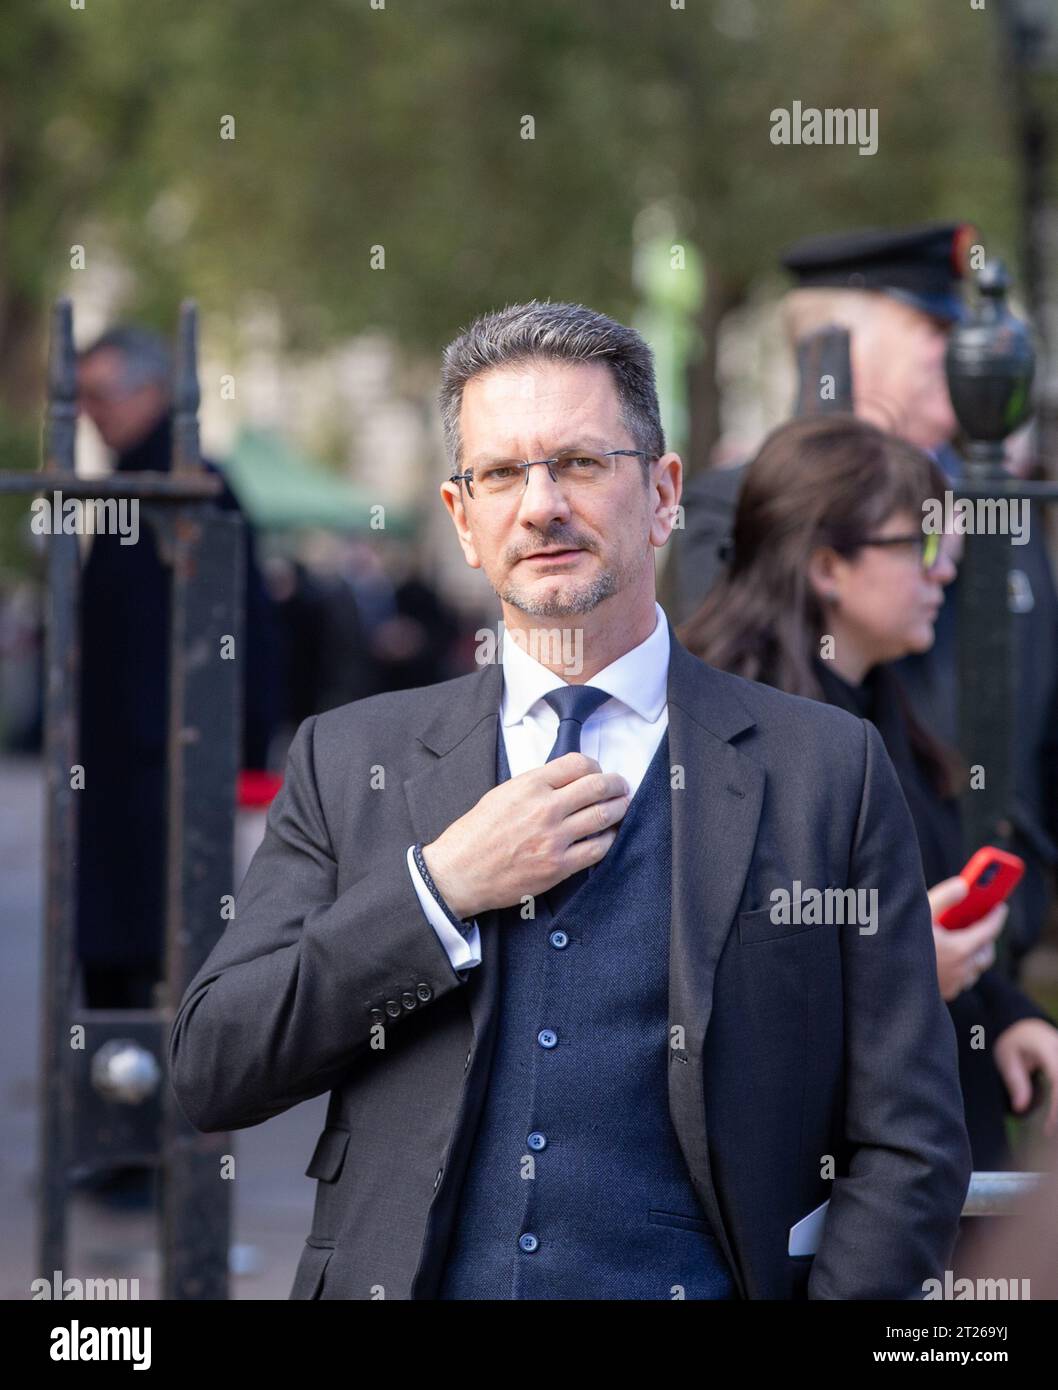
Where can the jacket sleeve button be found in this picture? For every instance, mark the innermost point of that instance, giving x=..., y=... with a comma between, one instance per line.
x=423, y=990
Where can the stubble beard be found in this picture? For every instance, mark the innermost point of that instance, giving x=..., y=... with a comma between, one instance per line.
x=565, y=600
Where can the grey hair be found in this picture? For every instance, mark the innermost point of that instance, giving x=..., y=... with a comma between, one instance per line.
x=146, y=356
x=560, y=333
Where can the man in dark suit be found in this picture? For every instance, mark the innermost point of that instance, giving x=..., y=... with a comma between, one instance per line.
x=531, y=932
x=898, y=292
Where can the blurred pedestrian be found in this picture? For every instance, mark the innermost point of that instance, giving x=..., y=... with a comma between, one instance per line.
x=124, y=388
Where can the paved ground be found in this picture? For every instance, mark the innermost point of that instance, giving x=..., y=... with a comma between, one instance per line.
x=272, y=1197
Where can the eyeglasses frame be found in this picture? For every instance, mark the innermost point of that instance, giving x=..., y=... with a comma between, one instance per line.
x=526, y=464
x=920, y=538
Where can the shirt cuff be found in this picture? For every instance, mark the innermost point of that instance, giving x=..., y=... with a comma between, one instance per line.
x=462, y=951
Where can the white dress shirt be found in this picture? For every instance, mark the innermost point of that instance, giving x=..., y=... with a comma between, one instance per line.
x=622, y=735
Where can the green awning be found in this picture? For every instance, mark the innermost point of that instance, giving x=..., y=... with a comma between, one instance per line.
x=281, y=489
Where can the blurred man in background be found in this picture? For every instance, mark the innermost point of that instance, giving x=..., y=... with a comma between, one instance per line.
x=124, y=388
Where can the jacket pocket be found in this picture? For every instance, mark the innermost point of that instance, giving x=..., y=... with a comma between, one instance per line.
x=329, y=1154
x=671, y=1218
x=308, y=1278
x=755, y=927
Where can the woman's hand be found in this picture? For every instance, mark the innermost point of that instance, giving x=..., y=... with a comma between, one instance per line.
x=962, y=955
x=1018, y=1051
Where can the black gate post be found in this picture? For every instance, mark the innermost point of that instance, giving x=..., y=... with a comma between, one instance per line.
x=102, y=1098
x=204, y=738
x=823, y=356
x=990, y=363
x=61, y=741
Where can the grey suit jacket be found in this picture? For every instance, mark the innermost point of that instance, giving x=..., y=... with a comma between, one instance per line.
x=808, y=1061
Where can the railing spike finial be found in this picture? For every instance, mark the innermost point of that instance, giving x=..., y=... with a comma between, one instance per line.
x=61, y=415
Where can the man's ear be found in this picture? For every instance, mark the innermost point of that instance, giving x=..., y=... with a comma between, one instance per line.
x=666, y=476
x=452, y=495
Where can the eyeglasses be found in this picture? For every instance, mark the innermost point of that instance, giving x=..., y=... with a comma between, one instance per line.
x=574, y=470
x=926, y=542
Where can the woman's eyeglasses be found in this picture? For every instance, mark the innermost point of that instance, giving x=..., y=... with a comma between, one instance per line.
x=927, y=543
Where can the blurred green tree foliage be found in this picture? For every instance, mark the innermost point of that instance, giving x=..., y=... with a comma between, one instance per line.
x=403, y=128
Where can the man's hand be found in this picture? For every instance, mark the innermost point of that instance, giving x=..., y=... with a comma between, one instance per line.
x=528, y=834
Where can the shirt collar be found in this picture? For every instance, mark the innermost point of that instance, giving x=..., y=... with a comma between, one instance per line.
x=638, y=678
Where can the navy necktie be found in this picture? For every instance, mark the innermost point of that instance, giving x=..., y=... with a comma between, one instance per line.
x=573, y=704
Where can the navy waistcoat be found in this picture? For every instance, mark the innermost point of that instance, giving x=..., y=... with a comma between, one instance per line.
x=576, y=1186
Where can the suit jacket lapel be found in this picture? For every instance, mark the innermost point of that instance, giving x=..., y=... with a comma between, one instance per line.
x=714, y=827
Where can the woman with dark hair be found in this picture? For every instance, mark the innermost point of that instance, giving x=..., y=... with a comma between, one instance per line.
x=833, y=577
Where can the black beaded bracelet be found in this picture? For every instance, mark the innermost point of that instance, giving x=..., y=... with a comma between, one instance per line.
x=420, y=864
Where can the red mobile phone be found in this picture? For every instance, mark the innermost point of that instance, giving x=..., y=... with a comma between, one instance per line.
x=992, y=875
